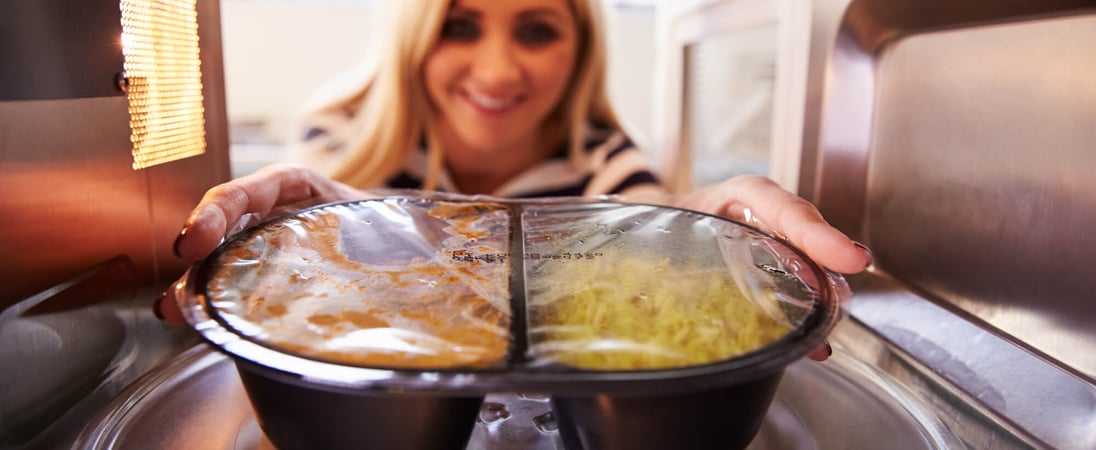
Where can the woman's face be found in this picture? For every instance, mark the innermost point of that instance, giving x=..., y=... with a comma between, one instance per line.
x=499, y=69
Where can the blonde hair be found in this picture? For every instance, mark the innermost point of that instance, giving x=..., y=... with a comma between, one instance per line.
x=391, y=111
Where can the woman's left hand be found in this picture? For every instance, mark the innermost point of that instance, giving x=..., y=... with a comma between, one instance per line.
x=761, y=202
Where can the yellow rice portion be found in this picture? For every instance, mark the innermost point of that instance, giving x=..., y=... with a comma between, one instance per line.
x=644, y=313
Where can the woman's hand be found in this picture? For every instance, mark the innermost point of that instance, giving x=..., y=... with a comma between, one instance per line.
x=229, y=207
x=283, y=188
x=761, y=202
x=271, y=191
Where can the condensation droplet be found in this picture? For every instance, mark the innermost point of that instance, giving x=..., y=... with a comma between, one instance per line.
x=546, y=423
x=537, y=397
x=492, y=412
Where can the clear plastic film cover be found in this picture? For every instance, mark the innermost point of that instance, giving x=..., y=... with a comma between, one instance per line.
x=626, y=287
x=493, y=295
x=399, y=283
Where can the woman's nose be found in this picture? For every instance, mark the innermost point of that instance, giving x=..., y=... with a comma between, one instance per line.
x=496, y=63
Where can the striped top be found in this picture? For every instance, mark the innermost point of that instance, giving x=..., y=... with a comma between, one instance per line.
x=613, y=166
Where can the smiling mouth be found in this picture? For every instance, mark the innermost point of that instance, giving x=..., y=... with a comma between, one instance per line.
x=492, y=104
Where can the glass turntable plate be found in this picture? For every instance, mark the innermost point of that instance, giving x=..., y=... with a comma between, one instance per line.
x=196, y=401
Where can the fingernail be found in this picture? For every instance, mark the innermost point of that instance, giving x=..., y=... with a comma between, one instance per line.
x=821, y=353
x=175, y=245
x=871, y=257
x=156, y=306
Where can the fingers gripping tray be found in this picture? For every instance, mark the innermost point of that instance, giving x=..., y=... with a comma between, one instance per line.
x=386, y=321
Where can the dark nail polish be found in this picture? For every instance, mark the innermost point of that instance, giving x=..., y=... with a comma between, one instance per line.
x=175, y=245
x=156, y=306
x=871, y=257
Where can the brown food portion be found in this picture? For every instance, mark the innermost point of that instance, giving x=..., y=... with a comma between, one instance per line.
x=307, y=297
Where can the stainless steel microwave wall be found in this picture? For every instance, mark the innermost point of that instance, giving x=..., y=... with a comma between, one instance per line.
x=955, y=139
x=86, y=239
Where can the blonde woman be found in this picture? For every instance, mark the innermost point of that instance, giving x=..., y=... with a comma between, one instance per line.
x=488, y=97
x=507, y=99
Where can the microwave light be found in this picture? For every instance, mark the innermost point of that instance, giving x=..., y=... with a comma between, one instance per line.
x=163, y=80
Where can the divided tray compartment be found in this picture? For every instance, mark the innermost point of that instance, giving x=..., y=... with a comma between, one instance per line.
x=384, y=322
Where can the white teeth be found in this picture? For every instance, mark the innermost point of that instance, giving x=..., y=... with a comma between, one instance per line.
x=491, y=103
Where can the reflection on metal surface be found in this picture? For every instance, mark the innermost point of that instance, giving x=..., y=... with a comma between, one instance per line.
x=954, y=139
x=86, y=239
x=48, y=349
x=974, y=425
x=65, y=357
x=1049, y=405
x=977, y=189
x=56, y=49
x=984, y=196
x=196, y=401
x=71, y=199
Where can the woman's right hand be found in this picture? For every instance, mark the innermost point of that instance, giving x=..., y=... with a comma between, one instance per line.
x=227, y=208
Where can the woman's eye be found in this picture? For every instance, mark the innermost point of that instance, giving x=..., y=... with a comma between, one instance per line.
x=460, y=30
x=535, y=34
